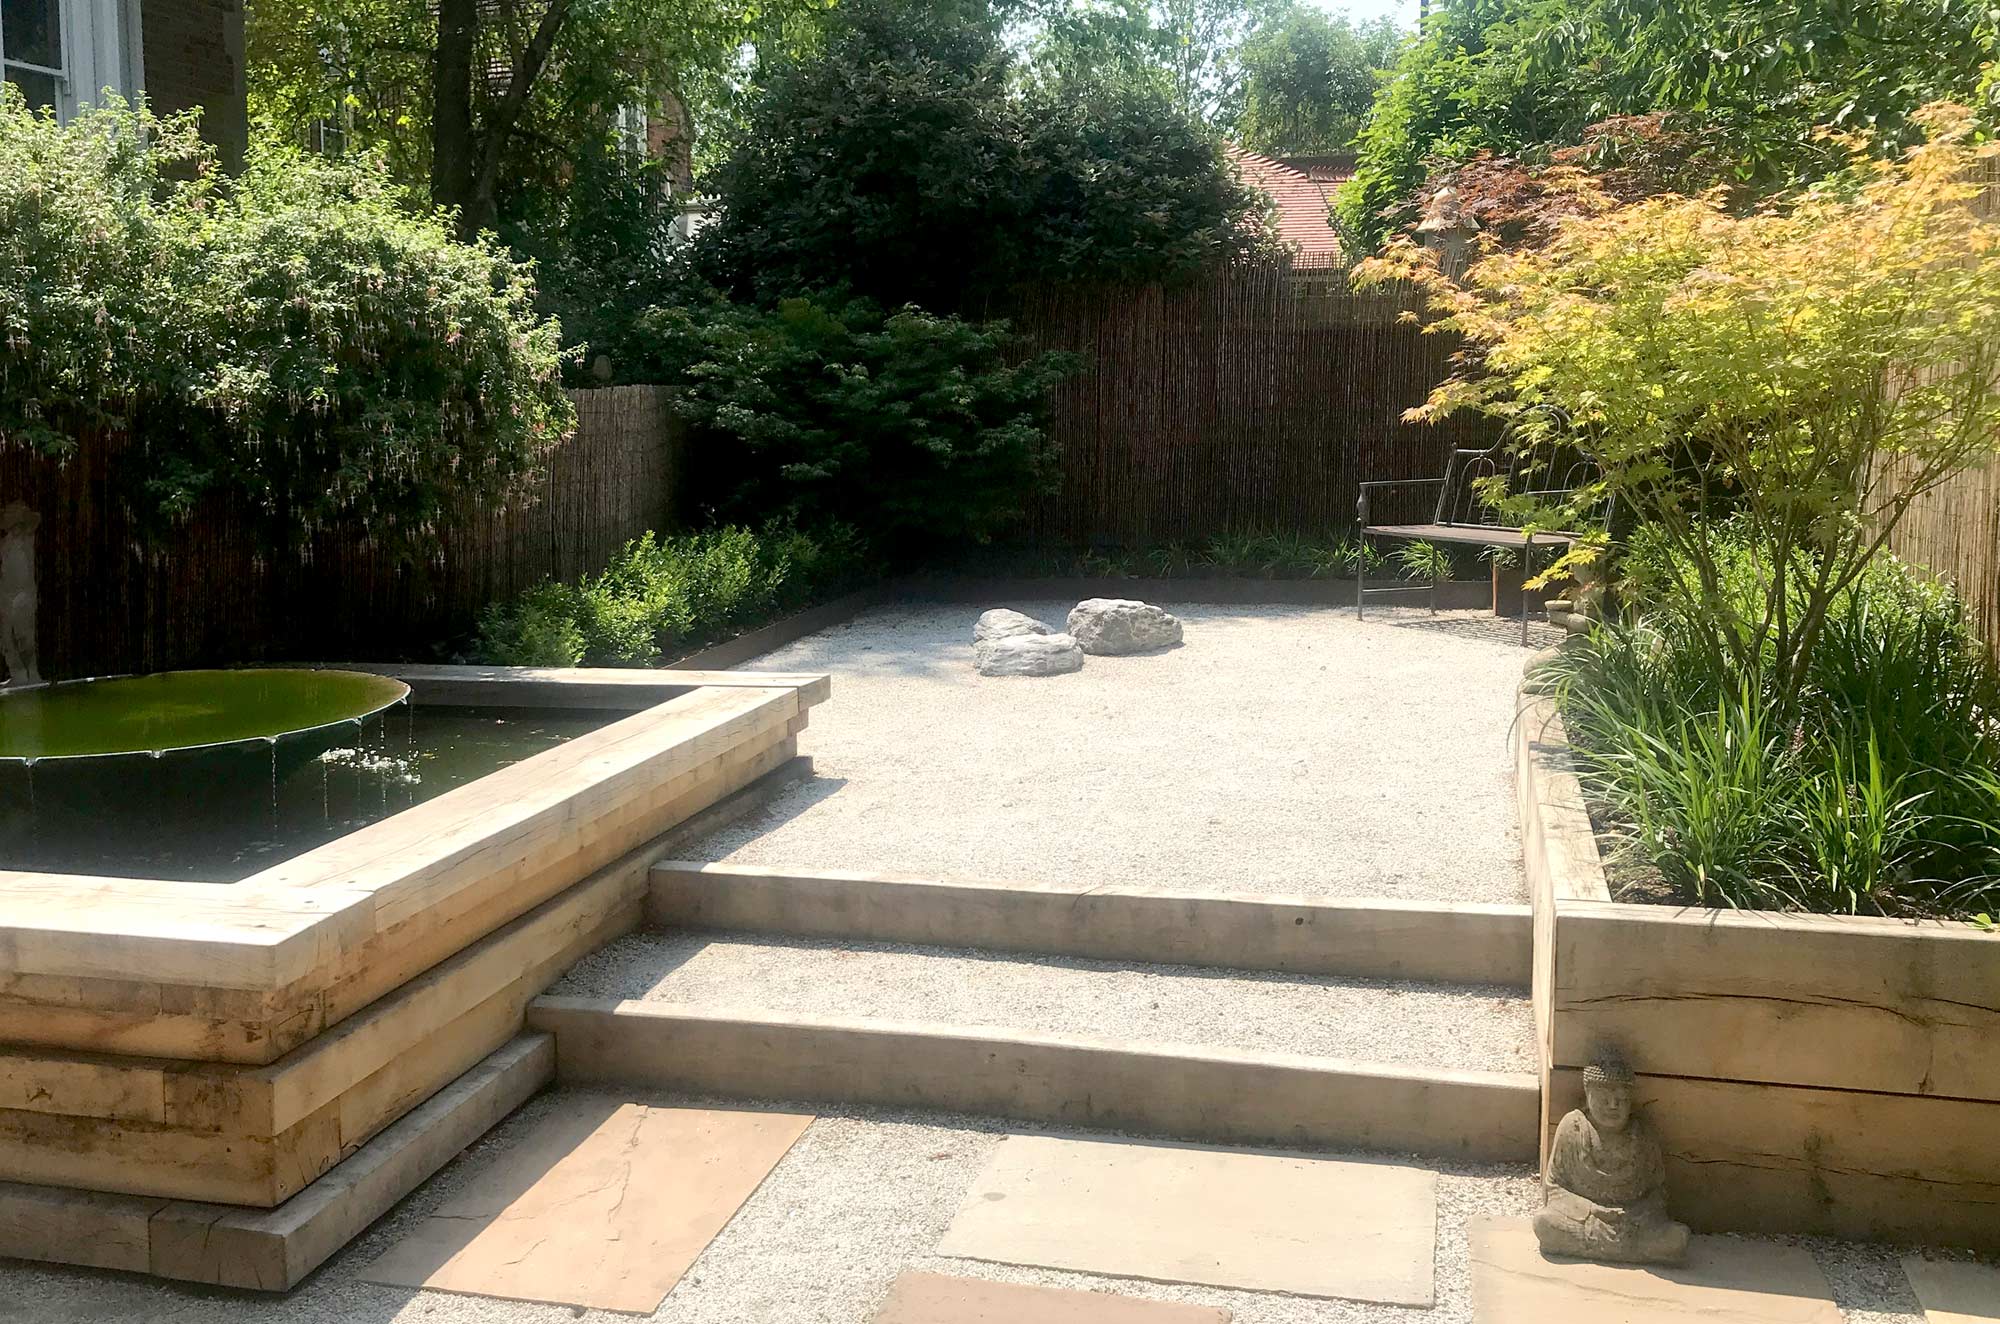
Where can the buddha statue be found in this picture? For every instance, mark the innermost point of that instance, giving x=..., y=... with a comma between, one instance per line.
x=1605, y=1189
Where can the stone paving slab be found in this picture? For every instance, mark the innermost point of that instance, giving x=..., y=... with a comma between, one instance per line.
x=936, y=1298
x=1954, y=1291
x=1185, y=1214
x=1725, y=1281
x=604, y=1206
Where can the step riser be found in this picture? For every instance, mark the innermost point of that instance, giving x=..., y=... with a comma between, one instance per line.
x=1244, y=1098
x=1473, y=944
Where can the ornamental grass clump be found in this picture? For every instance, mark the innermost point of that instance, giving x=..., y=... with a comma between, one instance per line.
x=1876, y=795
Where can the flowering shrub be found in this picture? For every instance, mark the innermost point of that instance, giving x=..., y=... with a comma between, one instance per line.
x=293, y=338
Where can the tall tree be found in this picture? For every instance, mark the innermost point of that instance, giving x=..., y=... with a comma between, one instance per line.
x=909, y=164
x=1526, y=76
x=471, y=99
x=1309, y=78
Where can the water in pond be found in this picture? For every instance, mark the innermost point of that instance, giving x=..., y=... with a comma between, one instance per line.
x=270, y=803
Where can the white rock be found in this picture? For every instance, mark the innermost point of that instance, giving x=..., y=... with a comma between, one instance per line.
x=1002, y=623
x=1028, y=655
x=1111, y=626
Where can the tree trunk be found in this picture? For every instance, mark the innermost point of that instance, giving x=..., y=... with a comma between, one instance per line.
x=451, y=105
x=483, y=175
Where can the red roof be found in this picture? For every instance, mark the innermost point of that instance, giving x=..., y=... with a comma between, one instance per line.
x=1303, y=226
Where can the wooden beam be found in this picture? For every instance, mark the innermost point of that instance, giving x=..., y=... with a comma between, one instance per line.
x=1843, y=1163
x=1378, y=939
x=275, y=1249
x=1187, y=1093
x=1840, y=1002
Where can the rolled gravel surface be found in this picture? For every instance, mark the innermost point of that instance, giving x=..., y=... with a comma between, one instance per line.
x=1417, y=1025
x=1279, y=749
x=865, y=1194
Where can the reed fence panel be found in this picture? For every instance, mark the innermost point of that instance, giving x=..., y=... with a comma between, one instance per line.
x=1253, y=399
x=214, y=589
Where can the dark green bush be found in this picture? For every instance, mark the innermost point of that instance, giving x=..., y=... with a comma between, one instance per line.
x=1877, y=795
x=663, y=596
x=293, y=337
x=923, y=430
x=905, y=163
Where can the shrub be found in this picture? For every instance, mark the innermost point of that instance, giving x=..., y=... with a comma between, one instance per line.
x=1875, y=794
x=664, y=596
x=291, y=338
x=923, y=430
x=905, y=164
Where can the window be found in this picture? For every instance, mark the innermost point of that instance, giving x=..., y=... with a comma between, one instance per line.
x=64, y=52
x=31, y=49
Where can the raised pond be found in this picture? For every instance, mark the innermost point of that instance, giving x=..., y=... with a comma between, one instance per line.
x=213, y=776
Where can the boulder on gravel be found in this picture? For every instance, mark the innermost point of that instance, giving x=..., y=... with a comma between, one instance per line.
x=1028, y=655
x=1002, y=623
x=1114, y=626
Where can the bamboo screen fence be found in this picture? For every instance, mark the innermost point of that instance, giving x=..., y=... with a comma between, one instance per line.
x=1254, y=399
x=213, y=590
x=1954, y=529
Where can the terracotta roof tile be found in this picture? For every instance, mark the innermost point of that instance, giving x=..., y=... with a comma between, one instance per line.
x=1301, y=202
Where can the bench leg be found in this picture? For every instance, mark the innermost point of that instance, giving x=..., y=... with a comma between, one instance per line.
x=1527, y=573
x=1360, y=576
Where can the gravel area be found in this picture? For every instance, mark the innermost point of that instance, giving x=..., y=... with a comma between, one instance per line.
x=1425, y=1025
x=865, y=1194
x=1280, y=749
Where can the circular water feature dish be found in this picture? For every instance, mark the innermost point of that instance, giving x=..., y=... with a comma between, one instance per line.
x=176, y=745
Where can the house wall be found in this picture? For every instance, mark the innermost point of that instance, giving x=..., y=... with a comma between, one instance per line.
x=194, y=57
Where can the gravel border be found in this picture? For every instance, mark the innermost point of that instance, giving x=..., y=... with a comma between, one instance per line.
x=1413, y=1024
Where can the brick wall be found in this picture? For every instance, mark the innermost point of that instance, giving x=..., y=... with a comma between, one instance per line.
x=194, y=57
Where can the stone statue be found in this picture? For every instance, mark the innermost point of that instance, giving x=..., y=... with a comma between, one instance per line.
x=17, y=594
x=1605, y=1189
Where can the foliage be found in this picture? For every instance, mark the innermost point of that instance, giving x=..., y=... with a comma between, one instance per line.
x=1125, y=189
x=1474, y=80
x=604, y=249
x=1309, y=79
x=1815, y=368
x=924, y=430
x=1878, y=795
x=665, y=596
x=1632, y=157
x=1191, y=50
x=1258, y=554
x=360, y=75
x=905, y=165
x=292, y=337
x=1519, y=77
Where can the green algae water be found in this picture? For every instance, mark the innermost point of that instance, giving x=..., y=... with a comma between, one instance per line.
x=181, y=710
x=203, y=802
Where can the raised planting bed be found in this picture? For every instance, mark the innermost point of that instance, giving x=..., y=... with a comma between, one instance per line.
x=1806, y=1073
x=234, y=1043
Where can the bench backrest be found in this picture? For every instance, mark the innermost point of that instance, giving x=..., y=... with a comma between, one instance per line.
x=1550, y=478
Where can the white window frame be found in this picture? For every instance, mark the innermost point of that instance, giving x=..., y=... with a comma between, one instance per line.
x=101, y=50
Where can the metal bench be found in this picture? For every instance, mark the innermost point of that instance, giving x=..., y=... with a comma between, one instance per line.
x=1462, y=517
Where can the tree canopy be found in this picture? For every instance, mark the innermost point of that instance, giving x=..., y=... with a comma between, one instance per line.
x=907, y=162
x=1309, y=80
x=1521, y=77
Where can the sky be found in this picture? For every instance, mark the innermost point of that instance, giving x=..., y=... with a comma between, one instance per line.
x=1403, y=11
